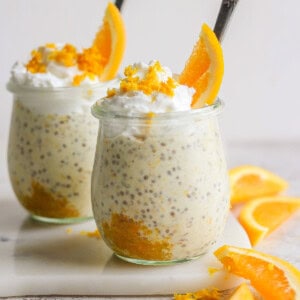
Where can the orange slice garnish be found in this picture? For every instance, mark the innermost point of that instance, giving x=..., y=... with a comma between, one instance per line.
x=110, y=42
x=272, y=277
x=204, y=69
x=248, y=182
x=242, y=292
x=261, y=216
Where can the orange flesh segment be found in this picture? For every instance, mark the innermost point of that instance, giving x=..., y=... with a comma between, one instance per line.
x=204, y=69
x=197, y=64
x=103, y=41
x=261, y=216
x=258, y=186
x=248, y=182
x=272, y=216
x=110, y=41
x=272, y=277
x=260, y=270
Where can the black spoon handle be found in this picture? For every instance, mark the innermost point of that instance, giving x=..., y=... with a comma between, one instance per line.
x=119, y=4
x=224, y=15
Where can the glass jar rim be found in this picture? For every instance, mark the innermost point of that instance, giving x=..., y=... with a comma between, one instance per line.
x=206, y=111
x=20, y=89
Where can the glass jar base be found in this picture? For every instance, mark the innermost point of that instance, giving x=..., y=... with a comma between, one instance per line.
x=157, y=262
x=60, y=220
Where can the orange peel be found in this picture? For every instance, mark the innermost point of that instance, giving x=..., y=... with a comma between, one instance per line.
x=261, y=216
x=271, y=276
x=204, y=69
x=248, y=182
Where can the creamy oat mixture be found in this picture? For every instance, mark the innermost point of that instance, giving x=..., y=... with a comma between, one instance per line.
x=50, y=158
x=159, y=188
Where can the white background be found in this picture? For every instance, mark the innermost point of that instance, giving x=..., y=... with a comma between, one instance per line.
x=261, y=50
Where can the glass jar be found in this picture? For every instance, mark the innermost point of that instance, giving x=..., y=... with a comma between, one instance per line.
x=51, y=149
x=160, y=188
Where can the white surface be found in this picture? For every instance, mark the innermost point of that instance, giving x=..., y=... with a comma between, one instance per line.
x=41, y=259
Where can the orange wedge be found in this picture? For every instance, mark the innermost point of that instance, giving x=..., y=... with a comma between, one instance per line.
x=272, y=277
x=248, y=182
x=109, y=44
x=261, y=216
x=204, y=69
x=242, y=292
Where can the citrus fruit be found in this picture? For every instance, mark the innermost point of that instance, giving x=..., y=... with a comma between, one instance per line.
x=248, y=182
x=242, y=292
x=204, y=68
x=261, y=216
x=110, y=42
x=204, y=294
x=272, y=277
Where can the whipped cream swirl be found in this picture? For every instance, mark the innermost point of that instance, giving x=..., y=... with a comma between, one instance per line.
x=148, y=88
x=56, y=73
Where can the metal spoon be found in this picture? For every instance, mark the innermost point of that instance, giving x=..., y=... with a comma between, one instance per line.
x=224, y=15
x=119, y=4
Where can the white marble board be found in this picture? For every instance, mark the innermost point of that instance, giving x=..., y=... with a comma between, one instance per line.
x=44, y=259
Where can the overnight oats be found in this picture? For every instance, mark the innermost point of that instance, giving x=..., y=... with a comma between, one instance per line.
x=53, y=135
x=160, y=191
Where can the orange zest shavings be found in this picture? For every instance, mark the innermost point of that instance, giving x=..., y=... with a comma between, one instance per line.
x=205, y=294
x=69, y=230
x=149, y=84
x=36, y=65
x=91, y=234
x=204, y=69
x=101, y=60
x=67, y=56
x=242, y=292
x=144, y=243
x=42, y=202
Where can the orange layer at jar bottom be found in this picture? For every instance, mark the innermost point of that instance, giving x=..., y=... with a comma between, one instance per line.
x=134, y=239
x=42, y=203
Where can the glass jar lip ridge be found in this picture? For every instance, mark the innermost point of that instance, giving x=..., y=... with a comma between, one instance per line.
x=16, y=88
x=206, y=111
